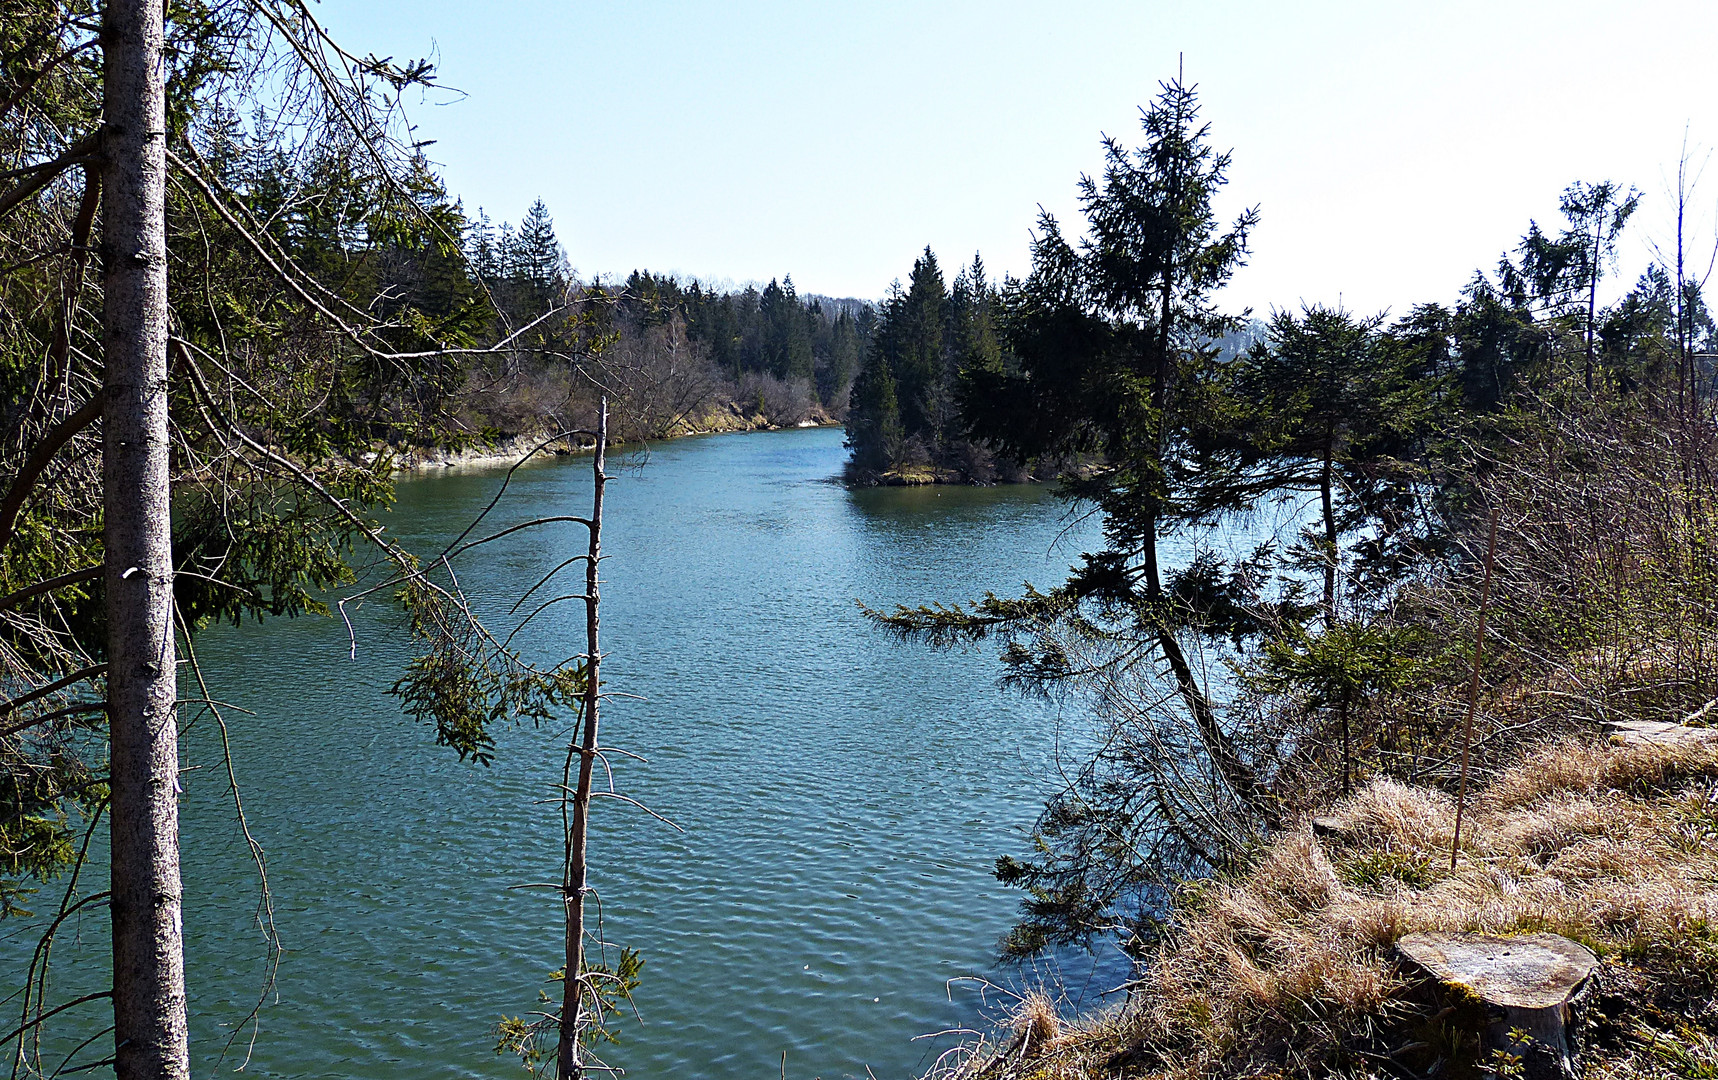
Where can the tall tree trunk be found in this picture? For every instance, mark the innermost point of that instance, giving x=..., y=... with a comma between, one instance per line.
x=1236, y=774
x=1593, y=295
x=570, y=1066
x=148, y=950
x=1327, y=480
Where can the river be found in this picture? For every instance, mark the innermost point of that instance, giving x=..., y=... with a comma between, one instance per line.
x=843, y=796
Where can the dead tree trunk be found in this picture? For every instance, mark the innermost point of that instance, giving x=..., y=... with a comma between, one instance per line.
x=148, y=950
x=573, y=993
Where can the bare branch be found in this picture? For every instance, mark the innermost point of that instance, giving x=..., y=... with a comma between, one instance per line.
x=42, y=175
x=34, y=465
x=18, y=596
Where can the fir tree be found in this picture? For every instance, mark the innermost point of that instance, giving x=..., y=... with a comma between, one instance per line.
x=536, y=264
x=916, y=334
x=874, y=431
x=481, y=250
x=1319, y=387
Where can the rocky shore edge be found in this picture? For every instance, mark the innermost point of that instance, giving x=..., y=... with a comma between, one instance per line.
x=511, y=448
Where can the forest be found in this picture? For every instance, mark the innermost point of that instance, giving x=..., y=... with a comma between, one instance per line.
x=235, y=294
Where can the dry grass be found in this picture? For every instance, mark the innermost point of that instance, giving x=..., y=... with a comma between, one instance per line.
x=1289, y=968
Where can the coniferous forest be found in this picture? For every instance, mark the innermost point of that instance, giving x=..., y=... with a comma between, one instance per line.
x=1399, y=625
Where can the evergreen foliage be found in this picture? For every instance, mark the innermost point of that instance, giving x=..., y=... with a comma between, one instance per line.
x=319, y=310
x=1233, y=689
x=905, y=412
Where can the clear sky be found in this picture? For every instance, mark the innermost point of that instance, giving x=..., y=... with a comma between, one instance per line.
x=1392, y=147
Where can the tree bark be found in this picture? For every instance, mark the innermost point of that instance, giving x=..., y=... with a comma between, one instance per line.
x=1326, y=481
x=148, y=950
x=1593, y=294
x=570, y=1066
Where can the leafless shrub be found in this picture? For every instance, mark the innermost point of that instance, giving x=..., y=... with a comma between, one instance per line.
x=659, y=379
x=781, y=402
x=1604, y=607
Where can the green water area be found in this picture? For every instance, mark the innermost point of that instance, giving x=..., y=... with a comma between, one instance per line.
x=843, y=796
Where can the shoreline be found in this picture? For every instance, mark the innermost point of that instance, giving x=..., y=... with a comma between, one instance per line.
x=517, y=449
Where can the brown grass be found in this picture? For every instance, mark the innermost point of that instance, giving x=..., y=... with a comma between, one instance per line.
x=1288, y=969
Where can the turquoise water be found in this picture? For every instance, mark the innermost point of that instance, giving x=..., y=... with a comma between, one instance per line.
x=843, y=796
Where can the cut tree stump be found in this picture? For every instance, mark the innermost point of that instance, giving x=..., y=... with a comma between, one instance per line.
x=1530, y=985
x=1330, y=828
x=1660, y=732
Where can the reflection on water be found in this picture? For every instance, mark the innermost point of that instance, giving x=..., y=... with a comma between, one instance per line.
x=843, y=796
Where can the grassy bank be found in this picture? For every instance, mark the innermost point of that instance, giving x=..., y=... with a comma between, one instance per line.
x=1288, y=967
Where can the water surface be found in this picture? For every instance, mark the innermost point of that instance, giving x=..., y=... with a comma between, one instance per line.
x=843, y=796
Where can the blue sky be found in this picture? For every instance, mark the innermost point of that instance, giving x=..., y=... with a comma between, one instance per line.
x=1392, y=147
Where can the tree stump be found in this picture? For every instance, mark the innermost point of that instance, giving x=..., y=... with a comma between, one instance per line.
x=1331, y=828
x=1660, y=732
x=1530, y=986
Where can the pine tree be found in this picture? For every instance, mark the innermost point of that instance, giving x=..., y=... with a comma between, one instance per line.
x=786, y=339
x=537, y=263
x=1109, y=335
x=1560, y=277
x=841, y=359
x=874, y=430
x=1320, y=389
x=919, y=362
x=482, y=254
x=1596, y=214
x=976, y=346
x=1497, y=341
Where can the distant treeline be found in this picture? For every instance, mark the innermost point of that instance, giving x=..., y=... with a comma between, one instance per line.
x=773, y=331
x=672, y=354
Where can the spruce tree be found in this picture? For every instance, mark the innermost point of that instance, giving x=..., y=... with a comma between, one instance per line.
x=786, y=337
x=874, y=433
x=976, y=346
x=1109, y=334
x=1320, y=389
x=918, y=361
x=482, y=254
x=537, y=264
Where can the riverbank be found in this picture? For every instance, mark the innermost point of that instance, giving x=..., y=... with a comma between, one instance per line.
x=928, y=475
x=925, y=475
x=513, y=448
x=972, y=466
x=1291, y=967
